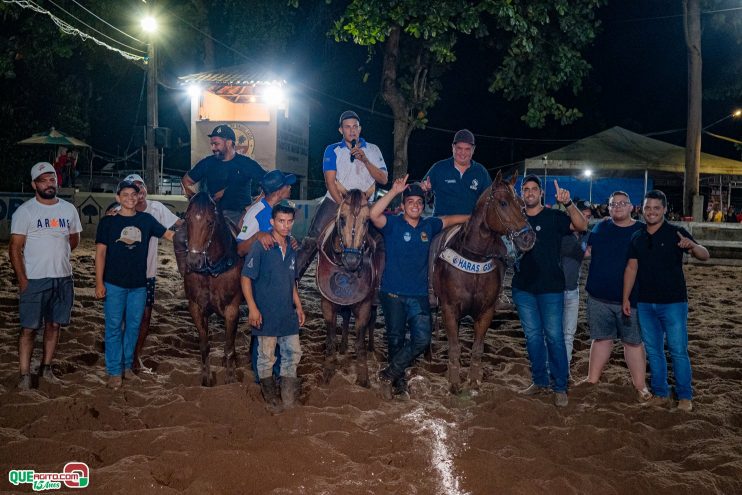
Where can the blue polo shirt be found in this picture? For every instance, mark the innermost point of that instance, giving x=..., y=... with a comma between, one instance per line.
x=272, y=276
x=407, y=248
x=456, y=193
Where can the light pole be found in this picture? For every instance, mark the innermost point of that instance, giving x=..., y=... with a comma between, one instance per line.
x=149, y=25
x=589, y=174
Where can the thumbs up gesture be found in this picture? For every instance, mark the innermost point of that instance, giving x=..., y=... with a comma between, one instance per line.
x=562, y=195
x=685, y=243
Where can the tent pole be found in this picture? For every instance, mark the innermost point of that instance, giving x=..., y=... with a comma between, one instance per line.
x=646, y=180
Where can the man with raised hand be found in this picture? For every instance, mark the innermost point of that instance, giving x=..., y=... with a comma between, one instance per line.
x=538, y=289
x=44, y=230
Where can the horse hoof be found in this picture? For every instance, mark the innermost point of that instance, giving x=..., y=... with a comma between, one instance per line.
x=327, y=376
x=207, y=380
x=343, y=348
x=230, y=379
x=455, y=389
x=363, y=382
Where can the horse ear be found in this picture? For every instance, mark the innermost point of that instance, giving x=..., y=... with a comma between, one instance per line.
x=342, y=190
x=514, y=178
x=498, y=177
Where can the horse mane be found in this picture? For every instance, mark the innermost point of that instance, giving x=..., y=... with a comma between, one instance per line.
x=201, y=200
x=355, y=199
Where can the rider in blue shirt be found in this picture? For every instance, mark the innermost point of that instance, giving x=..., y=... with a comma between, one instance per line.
x=404, y=283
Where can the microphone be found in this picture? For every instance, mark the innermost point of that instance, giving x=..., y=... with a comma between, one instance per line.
x=352, y=145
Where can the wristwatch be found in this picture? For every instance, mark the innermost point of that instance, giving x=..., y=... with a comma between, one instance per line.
x=567, y=205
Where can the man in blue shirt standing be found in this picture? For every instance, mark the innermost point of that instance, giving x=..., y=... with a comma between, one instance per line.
x=457, y=182
x=404, y=283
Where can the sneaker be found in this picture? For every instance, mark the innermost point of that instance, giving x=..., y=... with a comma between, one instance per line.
x=131, y=376
x=114, y=382
x=48, y=375
x=643, y=395
x=534, y=389
x=657, y=401
x=561, y=399
x=24, y=383
x=685, y=405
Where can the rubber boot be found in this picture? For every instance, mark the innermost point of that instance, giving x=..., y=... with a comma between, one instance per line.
x=290, y=387
x=270, y=394
x=180, y=246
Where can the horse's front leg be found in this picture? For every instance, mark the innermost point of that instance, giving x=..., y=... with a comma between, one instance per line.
x=481, y=325
x=231, y=318
x=200, y=319
x=345, y=313
x=329, y=314
x=363, y=321
x=371, y=328
x=451, y=322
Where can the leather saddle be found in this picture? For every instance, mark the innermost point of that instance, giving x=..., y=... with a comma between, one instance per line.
x=337, y=284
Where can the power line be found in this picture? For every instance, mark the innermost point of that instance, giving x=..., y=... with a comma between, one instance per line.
x=671, y=16
x=106, y=22
x=66, y=28
x=99, y=32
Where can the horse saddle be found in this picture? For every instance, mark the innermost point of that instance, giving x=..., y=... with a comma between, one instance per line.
x=337, y=284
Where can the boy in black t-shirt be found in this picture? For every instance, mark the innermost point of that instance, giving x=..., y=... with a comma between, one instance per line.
x=121, y=245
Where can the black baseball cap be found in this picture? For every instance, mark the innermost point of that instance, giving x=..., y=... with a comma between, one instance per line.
x=275, y=180
x=464, y=136
x=223, y=131
x=127, y=184
x=413, y=189
x=531, y=178
x=348, y=114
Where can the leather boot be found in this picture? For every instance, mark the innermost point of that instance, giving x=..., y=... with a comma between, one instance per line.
x=290, y=387
x=180, y=246
x=270, y=394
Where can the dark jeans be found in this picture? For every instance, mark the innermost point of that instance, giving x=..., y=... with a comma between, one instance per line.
x=308, y=249
x=399, y=312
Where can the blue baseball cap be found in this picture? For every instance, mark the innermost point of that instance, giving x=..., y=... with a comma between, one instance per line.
x=275, y=180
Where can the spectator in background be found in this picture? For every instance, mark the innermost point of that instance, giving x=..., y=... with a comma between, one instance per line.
x=730, y=216
x=715, y=215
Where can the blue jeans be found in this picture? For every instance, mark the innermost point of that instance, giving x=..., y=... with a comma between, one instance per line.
x=569, y=319
x=122, y=304
x=541, y=319
x=290, y=348
x=656, y=322
x=400, y=311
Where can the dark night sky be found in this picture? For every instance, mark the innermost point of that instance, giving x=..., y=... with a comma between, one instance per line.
x=638, y=81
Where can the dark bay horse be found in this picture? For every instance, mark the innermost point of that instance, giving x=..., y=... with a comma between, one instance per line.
x=212, y=278
x=470, y=279
x=348, y=270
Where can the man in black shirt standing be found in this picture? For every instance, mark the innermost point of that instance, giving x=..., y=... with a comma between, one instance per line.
x=655, y=262
x=538, y=289
x=229, y=178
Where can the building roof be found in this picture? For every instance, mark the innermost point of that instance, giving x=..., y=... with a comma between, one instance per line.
x=237, y=75
x=619, y=149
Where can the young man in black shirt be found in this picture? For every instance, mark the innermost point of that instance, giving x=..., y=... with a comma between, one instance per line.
x=656, y=264
x=538, y=289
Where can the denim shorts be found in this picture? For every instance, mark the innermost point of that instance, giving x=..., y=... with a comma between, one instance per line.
x=607, y=321
x=46, y=300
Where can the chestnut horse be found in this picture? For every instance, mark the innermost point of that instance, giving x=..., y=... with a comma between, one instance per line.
x=470, y=279
x=348, y=270
x=212, y=278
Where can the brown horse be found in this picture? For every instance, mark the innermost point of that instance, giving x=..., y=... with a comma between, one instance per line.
x=470, y=279
x=212, y=278
x=350, y=264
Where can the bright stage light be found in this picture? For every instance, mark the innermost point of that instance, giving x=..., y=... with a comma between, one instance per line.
x=149, y=24
x=194, y=90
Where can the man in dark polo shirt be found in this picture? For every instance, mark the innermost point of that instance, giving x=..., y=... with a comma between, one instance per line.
x=538, y=289
x=609, y=245
x=457, y=182
x=656, y=264
x=404, y=283
x=229, y=178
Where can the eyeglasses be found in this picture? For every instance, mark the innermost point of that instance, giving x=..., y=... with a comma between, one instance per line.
x=619, y=204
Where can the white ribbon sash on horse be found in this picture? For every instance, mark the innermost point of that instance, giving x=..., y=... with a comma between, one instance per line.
x=466, y=265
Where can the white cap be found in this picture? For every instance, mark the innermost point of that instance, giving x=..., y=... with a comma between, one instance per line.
x=134, y=178
x=40, y=169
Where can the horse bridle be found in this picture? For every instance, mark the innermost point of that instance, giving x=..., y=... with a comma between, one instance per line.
x=338, y=231
x=510, y=233
x=204, y=252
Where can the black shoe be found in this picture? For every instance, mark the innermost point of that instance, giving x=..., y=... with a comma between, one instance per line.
x=290, y=387
x=270, y=394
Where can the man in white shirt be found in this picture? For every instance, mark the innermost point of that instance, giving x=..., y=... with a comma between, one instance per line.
x=351, y=163
x=44, y=231
x=168, y=219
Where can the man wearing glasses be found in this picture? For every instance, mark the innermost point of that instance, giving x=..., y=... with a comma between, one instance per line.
x=655, y=263
x=352, y=163
x=608, y=246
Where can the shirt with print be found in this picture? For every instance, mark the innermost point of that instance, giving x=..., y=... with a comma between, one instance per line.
x=540, y=270
x=660, y=277
x=167, y=218
x=238, y=177
x=572, y=253
x=46, y=253
x=257, y=219
x=407, y=248
x=609, y=251
x=273, y=274
x=127, y=243
x=457, y=193
x=352, y=175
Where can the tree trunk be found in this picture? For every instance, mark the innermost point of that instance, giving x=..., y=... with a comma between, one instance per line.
x=403, y=125
x=692, y=25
